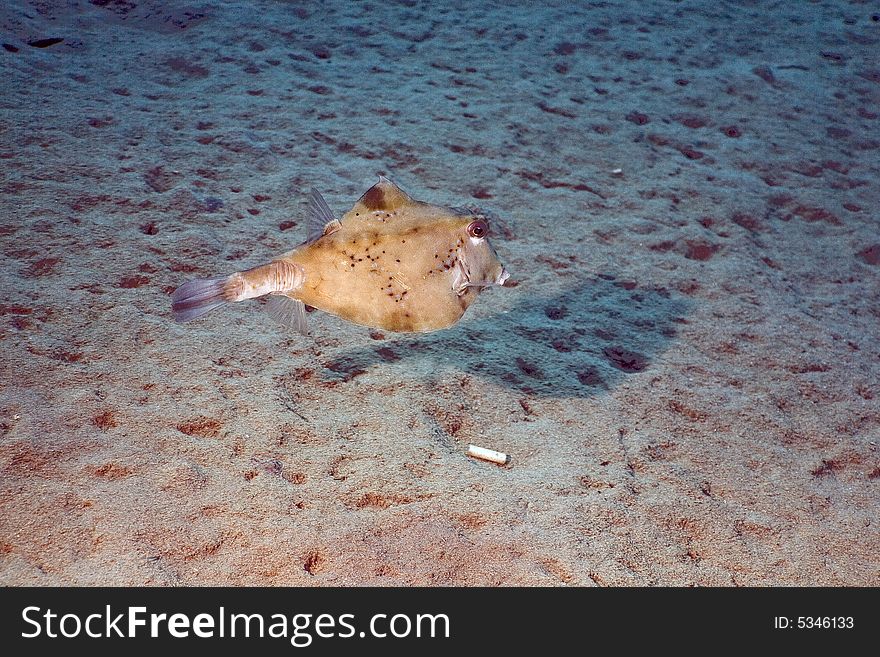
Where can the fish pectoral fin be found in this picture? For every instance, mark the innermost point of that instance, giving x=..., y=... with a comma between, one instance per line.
x=320, y=217
x=290, y=313
x=461, y=278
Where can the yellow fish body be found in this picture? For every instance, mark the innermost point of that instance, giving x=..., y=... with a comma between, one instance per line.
x=390, y=262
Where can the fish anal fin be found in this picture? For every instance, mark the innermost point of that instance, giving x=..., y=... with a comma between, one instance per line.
x=290, y=313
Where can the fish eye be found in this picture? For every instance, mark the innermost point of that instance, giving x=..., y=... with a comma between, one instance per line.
x=478, y=229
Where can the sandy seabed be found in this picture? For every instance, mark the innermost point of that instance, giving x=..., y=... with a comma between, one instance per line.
x=687, y=375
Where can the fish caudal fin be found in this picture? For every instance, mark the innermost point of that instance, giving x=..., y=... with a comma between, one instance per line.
x=195, y=298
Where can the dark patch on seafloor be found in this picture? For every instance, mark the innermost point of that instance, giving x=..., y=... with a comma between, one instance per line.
x=575, y=344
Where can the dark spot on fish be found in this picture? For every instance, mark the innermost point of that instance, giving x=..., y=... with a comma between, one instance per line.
x=8, y=47
x=44, y=43
x=374, y=198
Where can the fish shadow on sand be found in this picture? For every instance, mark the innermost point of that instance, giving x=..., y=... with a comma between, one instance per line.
x=576, y=343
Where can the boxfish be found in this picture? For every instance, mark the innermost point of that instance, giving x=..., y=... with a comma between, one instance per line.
x=391, y=263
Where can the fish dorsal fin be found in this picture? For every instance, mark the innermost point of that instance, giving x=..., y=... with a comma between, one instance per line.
x=320, y=216
x=384, y=196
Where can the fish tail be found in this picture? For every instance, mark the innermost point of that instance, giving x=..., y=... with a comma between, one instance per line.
x=277, y=276
x=202, y=295
x=197, y=297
